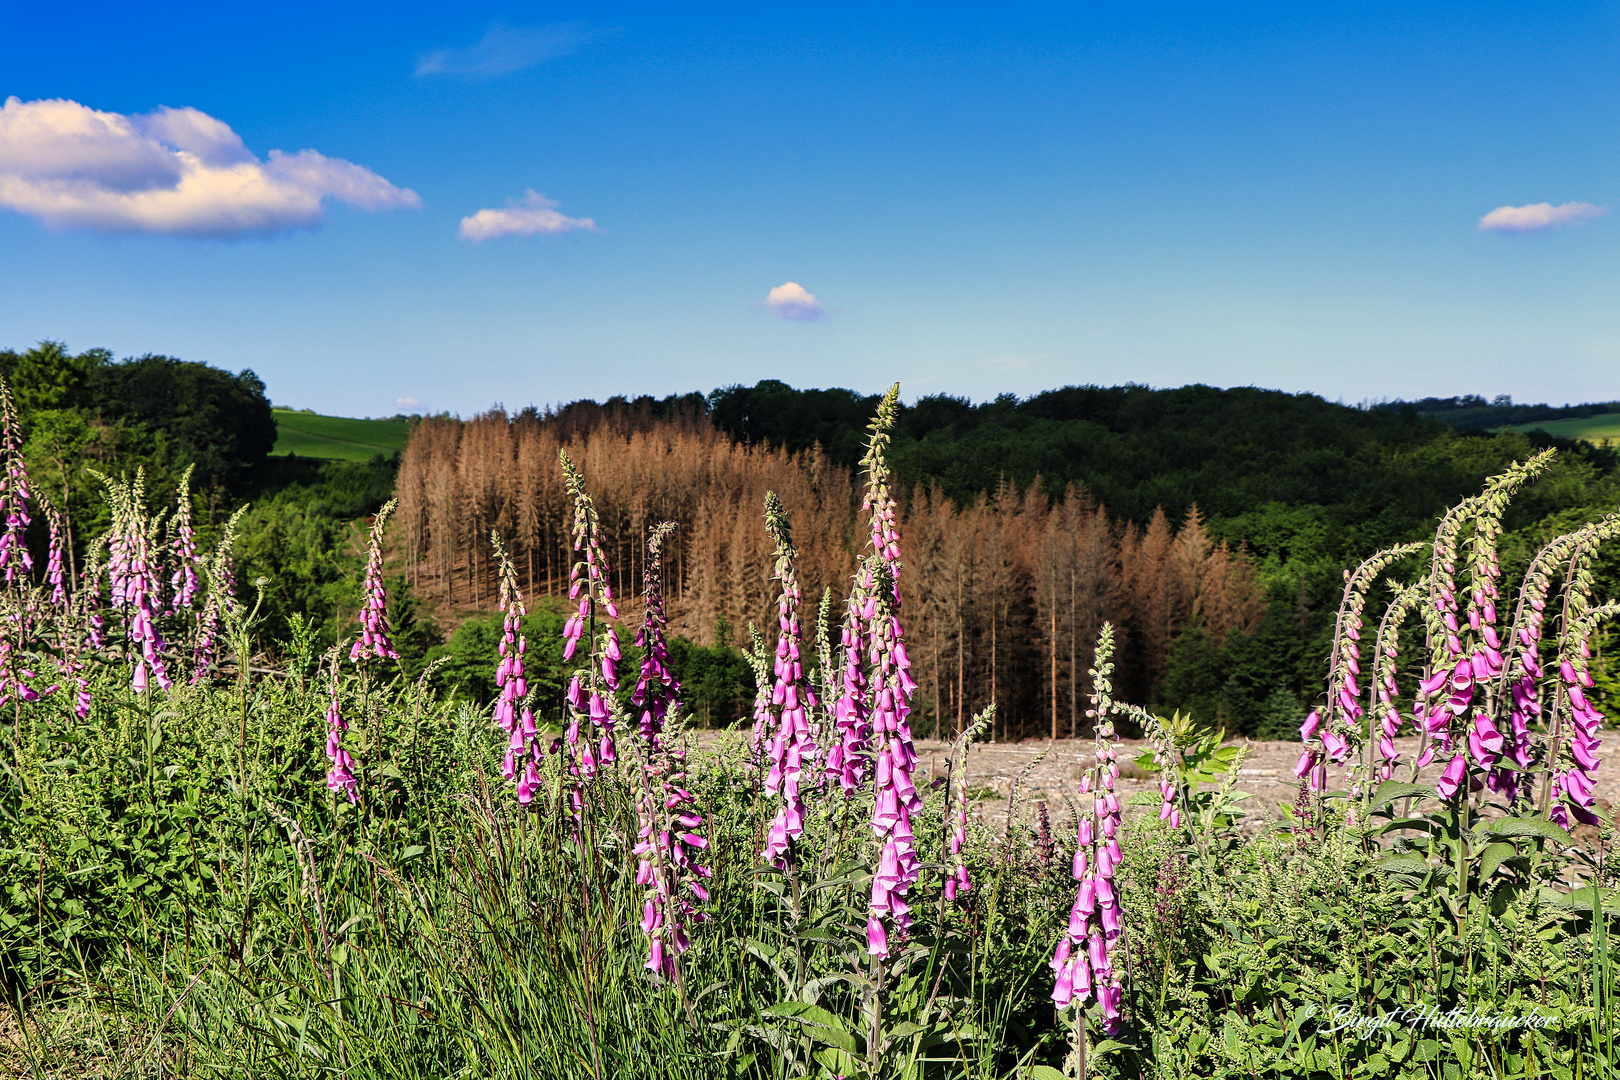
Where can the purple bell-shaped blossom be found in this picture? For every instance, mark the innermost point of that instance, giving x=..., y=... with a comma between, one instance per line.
x=656, y=689
x=845, y=761
x=957, y=881
x=512, y=710
x=1083, y=965
x=55, y=574
x=894, y=761
x=15, y=561
x=589, y=736
x=374, y=639
x=668, y=841
x=183, y=582
x=340, y=777
x=784, y=715
x=221, y=591
x=133, y=575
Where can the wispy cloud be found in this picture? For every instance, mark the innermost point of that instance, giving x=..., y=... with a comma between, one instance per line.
x=1538, y=216
x=504, y=49
x=790, y=300
x=408, y=402
x=176, y=172
x=534, y=213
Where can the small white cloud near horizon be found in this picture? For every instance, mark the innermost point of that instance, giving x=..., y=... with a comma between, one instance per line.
x=408, y=402
x=504, y=49
x=170, y=172
x=1538, y=216
x=534, y=213
x=790, y=300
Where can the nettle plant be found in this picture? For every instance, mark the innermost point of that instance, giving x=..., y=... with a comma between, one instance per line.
x=1498, y=694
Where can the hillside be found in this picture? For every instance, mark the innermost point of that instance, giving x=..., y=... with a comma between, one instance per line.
x=337, y=438
x=1603, y=429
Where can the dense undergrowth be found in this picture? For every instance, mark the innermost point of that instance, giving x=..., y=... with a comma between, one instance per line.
x=579, y=888
x=183, y=898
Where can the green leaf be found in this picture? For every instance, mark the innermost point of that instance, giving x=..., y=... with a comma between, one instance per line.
x=1043, y=1072
x=1582, y=899
x=1390, y=790
x=1421, y=824
x=821, y=1025
x=1527, y=826
x=1403, y=864
x=1492, y=857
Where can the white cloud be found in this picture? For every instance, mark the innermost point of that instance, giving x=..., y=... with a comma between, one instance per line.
x=534, y=213
x=1538, y=216
x=505, y=49
x=790, y=300
x=177, y=172
x=408, y=402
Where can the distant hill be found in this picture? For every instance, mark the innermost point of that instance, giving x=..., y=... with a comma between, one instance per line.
x=339, y=438
x=1470, y=411
x=1603, y=429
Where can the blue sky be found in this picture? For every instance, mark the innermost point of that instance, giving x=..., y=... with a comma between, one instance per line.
x=1009, y=198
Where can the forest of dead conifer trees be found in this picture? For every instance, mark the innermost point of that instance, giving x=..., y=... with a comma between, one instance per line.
x=1004, y=594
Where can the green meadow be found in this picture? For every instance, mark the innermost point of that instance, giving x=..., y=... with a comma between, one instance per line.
x=336, y=437
x=1603, y=428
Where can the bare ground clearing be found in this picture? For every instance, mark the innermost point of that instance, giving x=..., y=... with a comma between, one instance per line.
x=1048, y=771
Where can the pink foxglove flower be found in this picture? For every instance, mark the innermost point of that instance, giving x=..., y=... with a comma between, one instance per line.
x=133, y=574
x=656, y=691
x=887, y=696
x=340, y=777
x=221, y=575
x=183, y=582
x=1451, y=780
x=958, y=883
x=784, y=716
x=590, y=586
x=15, y=680
x=55, y=575
x=512, y=710
x=845, y=761
x=15, y=561
x=669, y=841
x=373, y=639
x=1573, y=782
x=894, y=760
x=1083, y=965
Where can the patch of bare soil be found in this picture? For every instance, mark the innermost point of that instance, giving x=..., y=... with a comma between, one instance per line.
x=1048, y=771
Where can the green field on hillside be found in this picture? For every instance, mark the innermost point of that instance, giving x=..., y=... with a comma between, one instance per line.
x=316, y=436
x=1603, y=428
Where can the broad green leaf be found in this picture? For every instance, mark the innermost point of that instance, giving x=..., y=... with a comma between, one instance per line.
x=1419, y=823
x=1390, y=790
x=1582, y=899
x=1492, y=857
x=1527, y=826
x=1404, y=864
x=820, y=1024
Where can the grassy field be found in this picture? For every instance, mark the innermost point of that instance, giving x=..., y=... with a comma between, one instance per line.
x=316, y=436
x=1602, y=428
